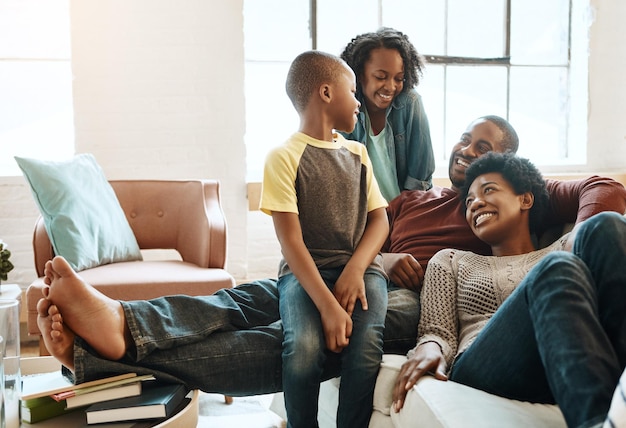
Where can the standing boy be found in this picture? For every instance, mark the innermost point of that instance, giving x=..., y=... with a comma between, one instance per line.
x=330, y=220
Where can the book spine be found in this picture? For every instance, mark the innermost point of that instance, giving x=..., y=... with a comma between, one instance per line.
x=42, y=412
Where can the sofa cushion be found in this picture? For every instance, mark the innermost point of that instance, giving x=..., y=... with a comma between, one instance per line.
x=83, y=217
x=433, y=403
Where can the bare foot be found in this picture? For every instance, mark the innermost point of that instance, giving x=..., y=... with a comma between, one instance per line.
x=98, y=319
x=58, y=339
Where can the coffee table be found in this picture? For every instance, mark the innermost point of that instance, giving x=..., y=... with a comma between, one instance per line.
x=185, y=418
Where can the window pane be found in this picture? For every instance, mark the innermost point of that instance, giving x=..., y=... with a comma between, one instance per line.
x=269, y=39
x=422, y=20
x=539, y=111
x=472, y=92
x=339, y=21
x=35, y=29
x=539, y=38
x=36, y=111
x=476, y=28
x=270, y=116
x=431, y=88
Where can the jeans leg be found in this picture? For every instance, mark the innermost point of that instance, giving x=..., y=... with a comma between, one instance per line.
x=504, y=358
x=577, y=356
x=303, y=352
x=403, y=315
x=171, y=321
x=360, y=360
x=601, y=244
x=237, y=363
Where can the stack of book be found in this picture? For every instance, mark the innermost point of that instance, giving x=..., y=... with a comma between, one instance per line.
x=50, y=394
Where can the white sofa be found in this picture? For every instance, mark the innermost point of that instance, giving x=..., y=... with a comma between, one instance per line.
x=433, y=403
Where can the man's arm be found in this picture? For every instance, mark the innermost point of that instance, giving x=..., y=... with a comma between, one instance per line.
x=403, y=270
x=573, y=201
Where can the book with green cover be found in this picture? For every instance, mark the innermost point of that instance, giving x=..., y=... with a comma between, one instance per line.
x=42, y=408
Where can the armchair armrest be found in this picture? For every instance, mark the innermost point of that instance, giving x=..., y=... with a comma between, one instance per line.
x=42, y=247
x=185, y=215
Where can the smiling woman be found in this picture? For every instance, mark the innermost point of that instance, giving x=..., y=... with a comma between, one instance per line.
x=566, y=307
x=505, y=202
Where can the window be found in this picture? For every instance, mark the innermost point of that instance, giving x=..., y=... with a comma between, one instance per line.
x=524, y=60
x=36, y=117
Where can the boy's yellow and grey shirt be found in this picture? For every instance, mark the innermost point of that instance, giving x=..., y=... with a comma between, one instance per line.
x=330, y=185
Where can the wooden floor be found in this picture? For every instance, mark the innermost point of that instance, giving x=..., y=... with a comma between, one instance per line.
x=29, y=349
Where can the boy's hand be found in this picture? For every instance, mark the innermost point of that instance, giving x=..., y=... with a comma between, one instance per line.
x=349, y=288
x=337, y=326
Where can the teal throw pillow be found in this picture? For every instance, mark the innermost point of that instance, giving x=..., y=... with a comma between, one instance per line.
x=83, y=217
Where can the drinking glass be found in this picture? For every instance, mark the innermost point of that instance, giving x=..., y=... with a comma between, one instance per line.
x=10, y=382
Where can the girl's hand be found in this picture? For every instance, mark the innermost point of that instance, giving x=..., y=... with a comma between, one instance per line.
x=427, y=358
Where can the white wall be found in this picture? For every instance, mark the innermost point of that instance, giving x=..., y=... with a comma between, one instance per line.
x=606, y=147
x=159, y=94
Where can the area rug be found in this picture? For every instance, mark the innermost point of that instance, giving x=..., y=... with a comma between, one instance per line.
x=248, y=412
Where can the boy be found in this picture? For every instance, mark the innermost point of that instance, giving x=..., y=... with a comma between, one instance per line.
x=330, y=220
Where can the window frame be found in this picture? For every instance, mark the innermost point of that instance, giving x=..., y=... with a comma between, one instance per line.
x=444, y=61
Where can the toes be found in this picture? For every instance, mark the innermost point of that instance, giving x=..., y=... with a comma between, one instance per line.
x=43, y=306
x=61, y=267
x=54, y=310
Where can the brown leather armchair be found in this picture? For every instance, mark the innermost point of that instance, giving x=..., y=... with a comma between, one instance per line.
x=183, y=215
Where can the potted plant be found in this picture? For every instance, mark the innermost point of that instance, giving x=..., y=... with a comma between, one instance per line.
x=5, y=265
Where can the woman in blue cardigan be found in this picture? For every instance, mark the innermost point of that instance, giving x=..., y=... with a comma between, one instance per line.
x=392, y=123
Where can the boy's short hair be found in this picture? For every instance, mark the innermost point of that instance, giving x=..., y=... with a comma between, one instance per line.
x=308, y=72
x=521, y=174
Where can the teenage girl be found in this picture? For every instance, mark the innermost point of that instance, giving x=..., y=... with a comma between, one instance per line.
x=392, y=123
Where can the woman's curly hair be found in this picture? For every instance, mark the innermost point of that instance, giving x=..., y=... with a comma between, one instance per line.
x=357, y=53
x=521, y=174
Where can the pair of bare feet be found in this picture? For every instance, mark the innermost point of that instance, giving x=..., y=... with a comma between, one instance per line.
x=71, y=307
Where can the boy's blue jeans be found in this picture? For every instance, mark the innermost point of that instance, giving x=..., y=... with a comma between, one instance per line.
x=561, y=336
x=304, y=354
